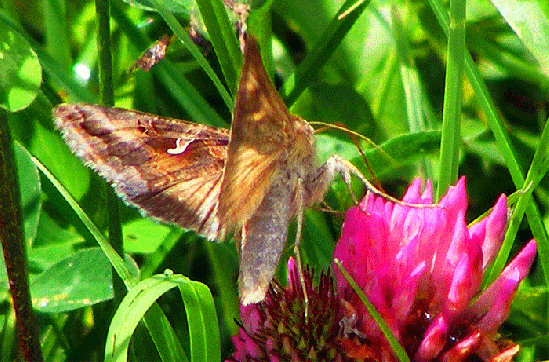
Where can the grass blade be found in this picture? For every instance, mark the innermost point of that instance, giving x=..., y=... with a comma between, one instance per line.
x=321, y=51
x=115, y=259
x=184, y=37
x=451, y=117
x=223, y=38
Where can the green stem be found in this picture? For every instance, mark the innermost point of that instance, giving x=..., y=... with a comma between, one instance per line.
x=383, y=326
x=322, y=50
x=451, y=118
x=176, y=27
x=12, y=239
x=502, y=141
x=533, y=177
x=102, y=8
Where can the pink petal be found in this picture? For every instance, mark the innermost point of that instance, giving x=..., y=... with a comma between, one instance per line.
x=495, y=231
x=463, y=349
x=455, y=199
x=434, y=340
x=503, y=288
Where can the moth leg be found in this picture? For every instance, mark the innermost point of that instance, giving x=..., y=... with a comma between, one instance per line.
x=346, y=177
x=299, y=226
x=318, y=183
x=337, y=165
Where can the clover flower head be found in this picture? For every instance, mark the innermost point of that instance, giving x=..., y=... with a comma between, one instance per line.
x=421, y=267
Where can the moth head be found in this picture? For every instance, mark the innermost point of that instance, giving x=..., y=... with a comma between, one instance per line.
x=303, y=141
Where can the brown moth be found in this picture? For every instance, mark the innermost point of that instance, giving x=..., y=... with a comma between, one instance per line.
x=153, y=55
x=201, y=178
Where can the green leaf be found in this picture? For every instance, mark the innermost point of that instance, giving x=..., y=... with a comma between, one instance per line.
x=29, y=184
x=328, y=145
x=530, y=23
x=223, y=38
x=202, y=318
x=396, y=152
x=186, y=7
x=224, y=262
x=81, y=280
x=163, y=335
x=529, y=311
x=116, y=261
x=144, y=235
x=199, y=307
x=402, y=150
x=155, y=259
x=49, y=148
x=44, y=257
x=185, y=94
x=318, y=241
x=321, y=51
x=20, y=71
x=184, y=37
x=453, y=95
x=346, y=107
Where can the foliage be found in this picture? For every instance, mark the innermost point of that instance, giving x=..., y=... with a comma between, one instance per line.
x=377, y=68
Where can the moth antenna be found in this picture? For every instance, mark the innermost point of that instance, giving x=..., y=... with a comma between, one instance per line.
x=354, y=135
x=344, y=129
x=322, y=129
x=348, y=168
x=366, y=162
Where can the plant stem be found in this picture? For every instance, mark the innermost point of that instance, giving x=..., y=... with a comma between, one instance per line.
x=102, y=8
x=13, y=246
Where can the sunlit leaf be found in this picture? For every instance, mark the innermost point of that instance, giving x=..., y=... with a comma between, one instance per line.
x=20, y=71
x=80, y=280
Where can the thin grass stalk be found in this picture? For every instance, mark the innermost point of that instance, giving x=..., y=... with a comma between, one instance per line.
x=322, y=50
x=223, y=38
x=102, y=8
x=399, y=351
x=451, y=117
x=533, y=177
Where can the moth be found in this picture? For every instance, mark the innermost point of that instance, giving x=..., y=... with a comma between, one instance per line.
x=153, y=55
x=251, y=180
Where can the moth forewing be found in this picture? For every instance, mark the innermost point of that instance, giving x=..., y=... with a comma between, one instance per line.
x=260, y=132
x=170, y=169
